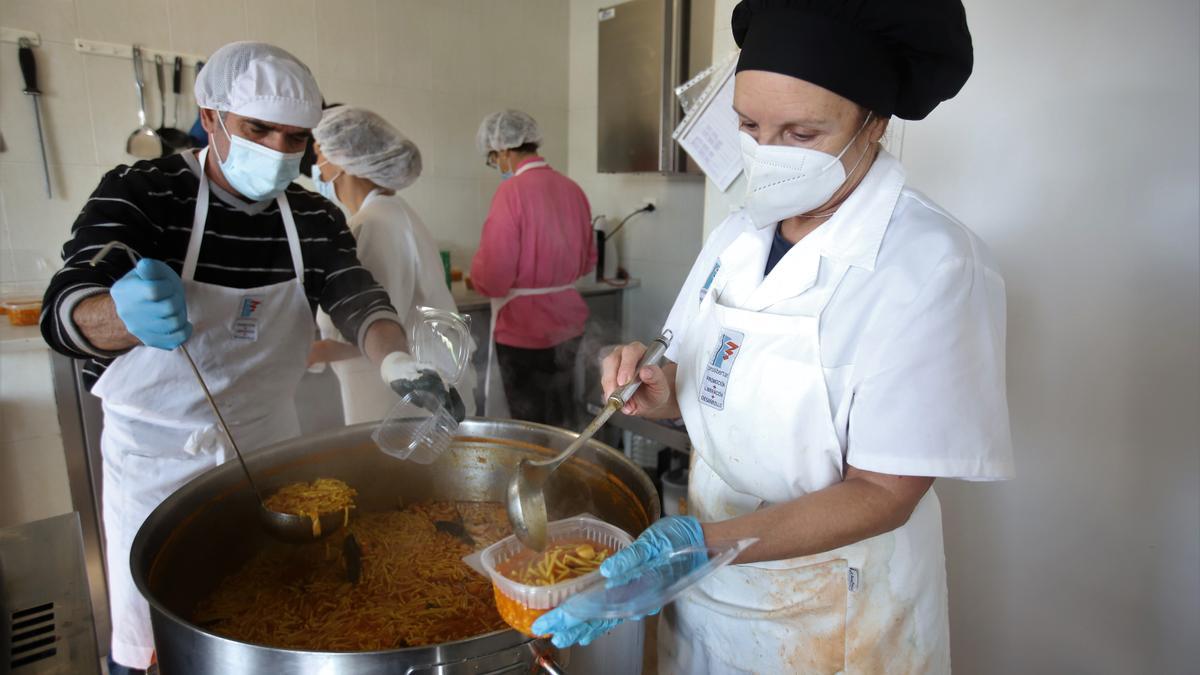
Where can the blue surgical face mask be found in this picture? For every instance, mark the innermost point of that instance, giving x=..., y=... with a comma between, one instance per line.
x=256, y=171
x=325, y=187
x=504, y=175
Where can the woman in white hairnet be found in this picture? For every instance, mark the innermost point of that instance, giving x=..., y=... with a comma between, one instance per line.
x=362, y=162
x=536, y=242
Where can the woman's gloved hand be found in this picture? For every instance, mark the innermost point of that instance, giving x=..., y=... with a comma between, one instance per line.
x=565, y=630
x=653, y=548
x=149, y=300
x=406, y=375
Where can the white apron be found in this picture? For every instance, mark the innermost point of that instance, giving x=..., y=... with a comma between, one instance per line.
x=495, y=401
x=365, y=396
x=753, y=393
x=159, y=432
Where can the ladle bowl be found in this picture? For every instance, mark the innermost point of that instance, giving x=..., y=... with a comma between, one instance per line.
x=525, y=498
x=144, y=142
x=299, y=529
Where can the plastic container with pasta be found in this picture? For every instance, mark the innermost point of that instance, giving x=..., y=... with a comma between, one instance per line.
x=572, y=543
x=23, y=313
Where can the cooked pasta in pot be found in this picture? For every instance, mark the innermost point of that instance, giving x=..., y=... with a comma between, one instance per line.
x=414, y=588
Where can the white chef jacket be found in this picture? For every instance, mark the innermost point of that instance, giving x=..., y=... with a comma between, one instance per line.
x=911, y=343
x=395, y=246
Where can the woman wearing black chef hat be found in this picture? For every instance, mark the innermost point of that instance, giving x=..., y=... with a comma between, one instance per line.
x=839, y=344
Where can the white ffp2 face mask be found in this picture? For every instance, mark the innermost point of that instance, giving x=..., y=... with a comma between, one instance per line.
x=784, y=181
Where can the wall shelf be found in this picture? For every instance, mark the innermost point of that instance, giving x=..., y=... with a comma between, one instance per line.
x=122, y=51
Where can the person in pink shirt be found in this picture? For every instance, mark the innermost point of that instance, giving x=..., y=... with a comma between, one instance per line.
x=536, y=242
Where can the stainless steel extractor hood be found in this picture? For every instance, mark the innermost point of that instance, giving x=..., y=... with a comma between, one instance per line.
x=646, y=49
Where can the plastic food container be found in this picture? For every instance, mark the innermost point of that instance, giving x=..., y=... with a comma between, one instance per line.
x=417, y=429
x=521, y=604
x=23, y=313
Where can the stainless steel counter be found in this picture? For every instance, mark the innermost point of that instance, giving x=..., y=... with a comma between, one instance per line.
x=472, y=301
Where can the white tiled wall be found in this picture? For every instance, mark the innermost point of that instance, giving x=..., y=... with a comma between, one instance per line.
x=432, y=67
x=657, y=247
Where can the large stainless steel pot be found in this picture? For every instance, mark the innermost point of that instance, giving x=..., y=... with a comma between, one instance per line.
x=208, y=529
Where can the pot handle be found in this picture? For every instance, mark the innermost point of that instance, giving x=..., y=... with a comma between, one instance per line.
x=548, y=665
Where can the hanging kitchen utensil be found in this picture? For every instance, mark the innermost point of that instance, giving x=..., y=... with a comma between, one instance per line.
x=173, y=139
x=198, y=135
x=525, y=497
x=29, y=72
x=143, y=143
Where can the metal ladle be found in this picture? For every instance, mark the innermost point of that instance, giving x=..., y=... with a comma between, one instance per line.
x=144, y=142
x=525, y=497
x=285, y=526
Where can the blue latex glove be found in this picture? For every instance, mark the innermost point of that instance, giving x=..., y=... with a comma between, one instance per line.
x=149, y=300
x=652, y=548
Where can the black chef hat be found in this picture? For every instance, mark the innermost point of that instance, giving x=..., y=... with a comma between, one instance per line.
x=896, y=57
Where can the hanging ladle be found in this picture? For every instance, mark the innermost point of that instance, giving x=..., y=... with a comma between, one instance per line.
x=525, y=497
x=144, y=142
x=286, y=526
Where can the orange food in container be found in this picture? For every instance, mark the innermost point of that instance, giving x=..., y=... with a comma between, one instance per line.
x=23, y=313
x=528, y=583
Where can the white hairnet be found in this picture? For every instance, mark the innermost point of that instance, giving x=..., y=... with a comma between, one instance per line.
x=505, y=130
x=262, y=81
x=365, y=145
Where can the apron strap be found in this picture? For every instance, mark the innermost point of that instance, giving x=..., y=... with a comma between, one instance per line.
x=289, y=226
x=200, y=219
x=532, y=165
x=492, y=399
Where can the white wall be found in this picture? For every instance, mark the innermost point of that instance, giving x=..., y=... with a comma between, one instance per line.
x=432, y=67
x=658, y=247
x=1074, y=152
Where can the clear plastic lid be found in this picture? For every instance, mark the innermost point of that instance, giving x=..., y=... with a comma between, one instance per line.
x=652, y=588
x=442, y=338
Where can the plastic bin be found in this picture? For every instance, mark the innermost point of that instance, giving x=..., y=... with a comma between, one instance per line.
x=23, y=313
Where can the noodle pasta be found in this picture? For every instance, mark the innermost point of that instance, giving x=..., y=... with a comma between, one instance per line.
x=414, y=589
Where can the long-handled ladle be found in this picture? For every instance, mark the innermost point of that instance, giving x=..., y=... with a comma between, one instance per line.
x=286, y=526
x=526, y=497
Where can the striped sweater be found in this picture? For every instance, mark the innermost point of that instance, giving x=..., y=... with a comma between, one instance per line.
x=149, y=206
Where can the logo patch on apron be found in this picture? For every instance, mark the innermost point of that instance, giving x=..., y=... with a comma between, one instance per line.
x=245, y=326
x=712, y=275
x=720, y=365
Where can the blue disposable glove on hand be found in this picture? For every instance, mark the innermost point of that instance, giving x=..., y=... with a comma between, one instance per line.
x=149, y=300
x=565, y=630
x=654, y=547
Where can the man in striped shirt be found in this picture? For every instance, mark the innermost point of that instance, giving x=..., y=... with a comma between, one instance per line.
x=225, y=254
x=149, y=207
